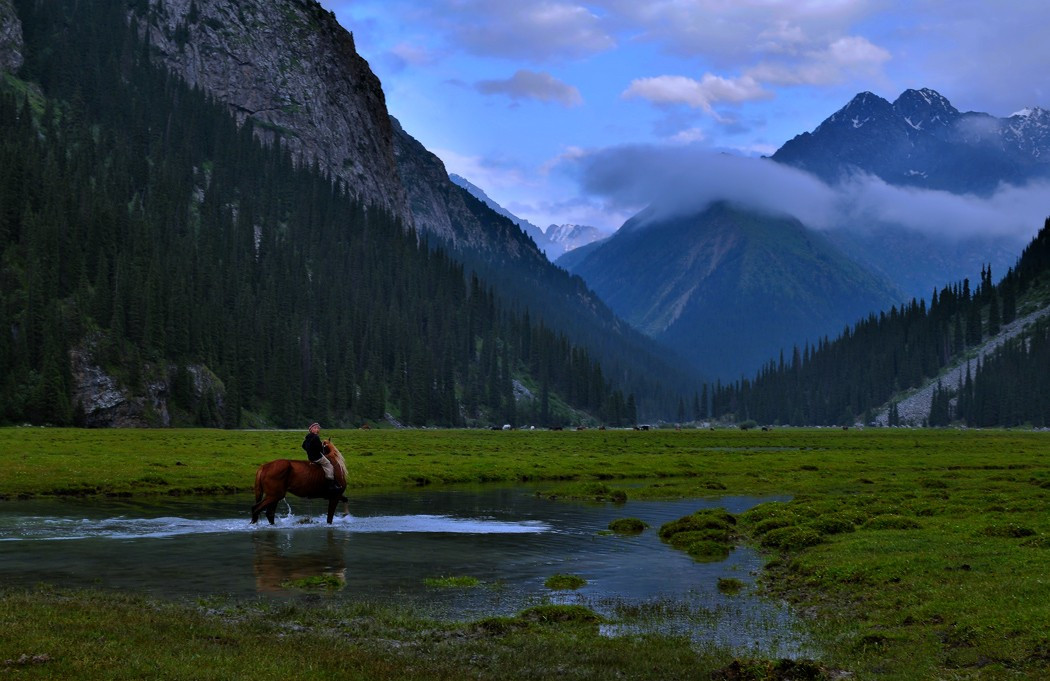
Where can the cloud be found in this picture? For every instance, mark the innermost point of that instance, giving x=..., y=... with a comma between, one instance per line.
x=729, y=33
x=684, y=180
x=846, y=57
x=525, y=84
x=698, y=94
x=489, y=174
x=539, y=31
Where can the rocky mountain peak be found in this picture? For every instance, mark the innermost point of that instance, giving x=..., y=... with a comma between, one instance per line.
x=863, y=109
x=10, y=37
x=293, y=70
x=925, y=109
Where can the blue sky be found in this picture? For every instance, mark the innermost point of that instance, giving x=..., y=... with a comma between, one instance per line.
x=519, y=97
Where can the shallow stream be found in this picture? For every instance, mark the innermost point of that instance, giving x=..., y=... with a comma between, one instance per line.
x=509, y=538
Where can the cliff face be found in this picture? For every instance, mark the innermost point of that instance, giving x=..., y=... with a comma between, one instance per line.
x=442, y=207
x=10, y=38
x=291, y=68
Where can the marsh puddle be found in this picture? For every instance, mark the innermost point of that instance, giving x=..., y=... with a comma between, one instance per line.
x=509, y=539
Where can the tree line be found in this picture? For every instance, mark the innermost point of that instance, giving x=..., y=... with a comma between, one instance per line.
x=840, y=381
x=140, y=224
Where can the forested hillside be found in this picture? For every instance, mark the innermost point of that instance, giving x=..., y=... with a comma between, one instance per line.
x=840, y=381
x=143, y=232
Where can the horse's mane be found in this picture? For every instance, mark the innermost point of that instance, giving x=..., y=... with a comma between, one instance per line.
x=337, y=456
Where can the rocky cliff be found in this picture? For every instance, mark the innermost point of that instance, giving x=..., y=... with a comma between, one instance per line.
x=10, y=38
x=291, y=68
x=445, y=209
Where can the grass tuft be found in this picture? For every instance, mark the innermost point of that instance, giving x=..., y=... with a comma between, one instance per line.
x=564, y=582
x=628, y=526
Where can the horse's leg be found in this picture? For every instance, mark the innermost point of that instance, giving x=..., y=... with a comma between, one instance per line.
x=333, y=501
x=257, y=509
x=271, y=509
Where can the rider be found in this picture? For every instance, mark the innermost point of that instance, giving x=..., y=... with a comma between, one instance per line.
x=315, y=452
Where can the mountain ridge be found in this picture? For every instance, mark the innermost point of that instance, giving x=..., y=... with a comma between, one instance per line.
x=922, y=140
x=728, y=286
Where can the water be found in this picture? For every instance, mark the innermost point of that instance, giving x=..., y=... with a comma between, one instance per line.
x=510, y=539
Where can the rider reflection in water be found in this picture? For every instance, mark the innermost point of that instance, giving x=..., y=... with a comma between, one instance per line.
x=315, y=452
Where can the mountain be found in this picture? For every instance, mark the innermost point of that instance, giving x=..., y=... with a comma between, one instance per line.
x=570, y=259
x=162, y=264
x=292, y=70
x=305, y=84
x=555, y=241
x=977, y=356
x=921, y=140
x=566, y=238
x=359, y=282
x=478, y=193
x=729, y=287
x=10, y=38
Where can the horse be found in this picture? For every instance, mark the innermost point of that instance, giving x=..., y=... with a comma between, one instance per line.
x=274, y=480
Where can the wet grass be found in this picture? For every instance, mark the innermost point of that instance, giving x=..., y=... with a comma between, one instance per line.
x=564, y=582
x=628, y=526
x=316, y=583
x=912, y=554
x=457, y=582
x=707, y=535
x=86, y=635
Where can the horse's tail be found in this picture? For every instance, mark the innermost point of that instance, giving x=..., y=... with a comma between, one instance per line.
x=258, y=484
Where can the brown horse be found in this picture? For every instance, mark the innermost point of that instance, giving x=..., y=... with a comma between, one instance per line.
x=274, y=480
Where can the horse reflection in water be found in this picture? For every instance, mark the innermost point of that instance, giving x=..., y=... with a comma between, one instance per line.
x=283, y=557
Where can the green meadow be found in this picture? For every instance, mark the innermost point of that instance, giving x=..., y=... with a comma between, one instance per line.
x=911, y=554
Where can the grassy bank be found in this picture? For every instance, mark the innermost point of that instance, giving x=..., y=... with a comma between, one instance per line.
x=103, y=636
x=55, y=461
x=917, y=554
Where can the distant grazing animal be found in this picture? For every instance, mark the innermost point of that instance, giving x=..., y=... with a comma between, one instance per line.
x=274, y=480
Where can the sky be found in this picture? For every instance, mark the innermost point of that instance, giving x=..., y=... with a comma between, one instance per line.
x=535, y=102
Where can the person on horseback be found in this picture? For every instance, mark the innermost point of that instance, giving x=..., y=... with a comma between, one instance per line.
x=315, y=452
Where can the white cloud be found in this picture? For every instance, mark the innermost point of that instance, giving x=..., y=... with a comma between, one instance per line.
x=538, y=31
x=525, y=84
x=846, y=57
x=485, y=173
x=568, y=156
x=698, y=94
x=730, y=32
x=688, y=136
x=680, y=180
